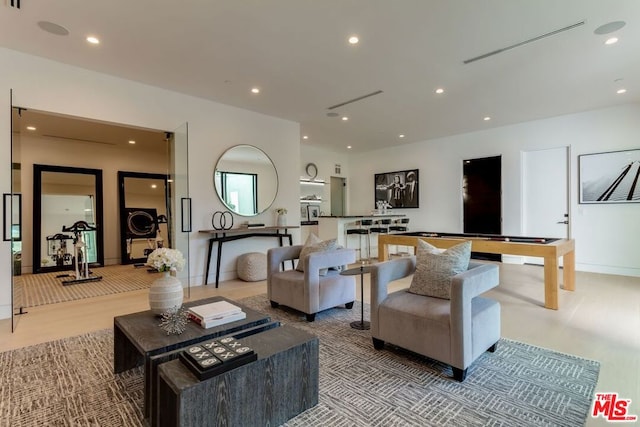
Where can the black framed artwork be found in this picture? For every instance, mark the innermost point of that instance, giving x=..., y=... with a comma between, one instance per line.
x=398, y=189
x=611, y=177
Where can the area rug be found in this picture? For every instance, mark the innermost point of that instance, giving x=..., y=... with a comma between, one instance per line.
x=70, y=382
x=46, y=288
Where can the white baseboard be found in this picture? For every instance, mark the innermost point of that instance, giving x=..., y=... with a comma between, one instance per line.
x=607, y=269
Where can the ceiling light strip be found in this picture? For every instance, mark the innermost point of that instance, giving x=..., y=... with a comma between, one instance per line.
x=552, y=33
x=360, y=98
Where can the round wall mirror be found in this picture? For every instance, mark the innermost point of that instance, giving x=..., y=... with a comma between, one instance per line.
x=246, y=180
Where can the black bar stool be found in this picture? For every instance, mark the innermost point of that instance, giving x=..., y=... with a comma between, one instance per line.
x=400, y=226
x=361, y=230
x=379, y=228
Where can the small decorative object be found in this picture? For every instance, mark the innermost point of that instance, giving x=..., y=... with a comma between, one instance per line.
x=313, y=212
x=174, y=321
x=166, y=292
x=222, y=220
x=282, y=217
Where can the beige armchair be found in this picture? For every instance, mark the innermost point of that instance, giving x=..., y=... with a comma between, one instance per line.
x=455, y=331
x=308, y=291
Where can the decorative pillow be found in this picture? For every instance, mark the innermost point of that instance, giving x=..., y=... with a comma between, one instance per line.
x=434, y=269
x=314, y=244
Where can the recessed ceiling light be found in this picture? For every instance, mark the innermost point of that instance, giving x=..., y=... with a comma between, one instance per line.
x=169, y=180
x=154, y=186
x=487, y=118
x=255, y=90
x=52, y=28
x=354, y=40
x=132, y=142
x=349, y=147
x=401, y=135
x=345, y=118
x=305, y=137
x=621, y=91
x=31, y=128
x=611, y=40
x=439, y=90
x=93, y=40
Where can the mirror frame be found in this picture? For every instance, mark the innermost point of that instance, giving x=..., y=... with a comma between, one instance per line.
x=37, y=214
x=122, y=176
x=219, y=190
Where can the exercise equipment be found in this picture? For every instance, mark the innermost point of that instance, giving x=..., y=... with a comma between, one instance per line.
x=79, y=228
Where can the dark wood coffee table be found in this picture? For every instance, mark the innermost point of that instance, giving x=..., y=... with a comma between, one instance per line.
x=280, y=384
x=138, y=337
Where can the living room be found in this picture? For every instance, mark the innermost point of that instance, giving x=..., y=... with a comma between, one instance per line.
x=604, y=233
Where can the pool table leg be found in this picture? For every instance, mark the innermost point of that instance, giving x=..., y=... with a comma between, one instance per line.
x=551, y=283
x=383, y=251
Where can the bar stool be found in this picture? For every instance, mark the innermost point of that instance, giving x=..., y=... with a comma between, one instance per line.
x=379, y=228
x=361, y=230
x=400, y=226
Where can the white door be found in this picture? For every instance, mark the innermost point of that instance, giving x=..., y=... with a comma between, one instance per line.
x=545, y=200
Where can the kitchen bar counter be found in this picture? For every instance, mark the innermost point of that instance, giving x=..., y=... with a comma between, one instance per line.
x=333, y=227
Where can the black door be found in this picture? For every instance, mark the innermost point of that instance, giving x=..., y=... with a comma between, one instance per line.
x=482, y=195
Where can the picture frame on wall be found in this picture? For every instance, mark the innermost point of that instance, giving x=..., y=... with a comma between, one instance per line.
x=399, y=189
x=313, y=212
x=610, y=177
x=304, y=213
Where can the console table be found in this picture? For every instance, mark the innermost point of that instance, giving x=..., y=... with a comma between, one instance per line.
x=280, y=384
x=221, y=236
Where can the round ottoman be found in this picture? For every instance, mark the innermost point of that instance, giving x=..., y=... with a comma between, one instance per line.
x=252, y=266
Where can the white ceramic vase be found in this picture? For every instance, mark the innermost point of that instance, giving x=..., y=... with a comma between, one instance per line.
x=165, y=294
x=282, y=220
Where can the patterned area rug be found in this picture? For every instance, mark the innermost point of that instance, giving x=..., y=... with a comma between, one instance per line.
x=46, y=288
x=70, y=382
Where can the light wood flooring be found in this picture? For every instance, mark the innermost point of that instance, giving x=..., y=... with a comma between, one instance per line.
x=599, y=321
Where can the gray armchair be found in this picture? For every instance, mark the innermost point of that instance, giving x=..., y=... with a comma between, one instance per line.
x=455, y=331
x=308, y=291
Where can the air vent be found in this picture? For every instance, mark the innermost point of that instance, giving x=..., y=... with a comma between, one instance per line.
x=534, y=39
x=351, y=101
x=68, y=138
x=14, y=4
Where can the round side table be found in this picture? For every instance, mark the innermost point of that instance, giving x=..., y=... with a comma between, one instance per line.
x=362, y=270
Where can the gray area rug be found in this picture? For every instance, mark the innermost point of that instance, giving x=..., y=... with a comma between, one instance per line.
x=70, y=382
x=46, y=288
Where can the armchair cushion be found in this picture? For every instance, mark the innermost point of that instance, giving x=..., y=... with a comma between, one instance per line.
x=314, y=244
x=434, y=269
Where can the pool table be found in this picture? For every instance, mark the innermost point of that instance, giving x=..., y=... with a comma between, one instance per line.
x=550, y=249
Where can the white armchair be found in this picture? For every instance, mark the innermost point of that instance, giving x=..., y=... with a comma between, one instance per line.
x=308, y=291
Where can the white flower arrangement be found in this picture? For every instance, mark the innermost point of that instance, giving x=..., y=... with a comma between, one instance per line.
x=165, y=259
x=281, y=211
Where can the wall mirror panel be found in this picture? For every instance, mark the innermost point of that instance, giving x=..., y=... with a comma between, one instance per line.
x=144, y=212
x=246, y=180
x=62, y=197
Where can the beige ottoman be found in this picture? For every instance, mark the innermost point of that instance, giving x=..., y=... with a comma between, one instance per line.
x=252, y=266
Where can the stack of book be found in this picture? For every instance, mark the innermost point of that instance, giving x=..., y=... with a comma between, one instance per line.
x=215, y=314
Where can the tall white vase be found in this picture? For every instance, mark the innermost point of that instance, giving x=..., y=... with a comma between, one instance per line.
x=282, y=220
x=165, y=294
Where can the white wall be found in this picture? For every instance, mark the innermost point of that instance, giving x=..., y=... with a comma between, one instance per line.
x=605, y=235
x=51, y=86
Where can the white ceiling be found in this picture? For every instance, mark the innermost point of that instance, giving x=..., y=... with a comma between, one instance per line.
x=296, y=52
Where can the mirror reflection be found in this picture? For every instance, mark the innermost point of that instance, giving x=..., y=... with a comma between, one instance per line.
x=246, y=180
x=66, y=196
x=143, y=215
